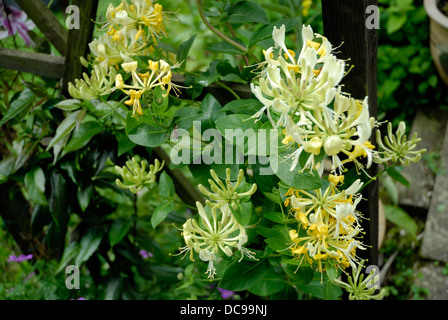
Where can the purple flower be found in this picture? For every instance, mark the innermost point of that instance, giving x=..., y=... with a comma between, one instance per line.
x=20, y=258
x=15, y=20
x=80, y=298
x=146, y=254
x=226, y=294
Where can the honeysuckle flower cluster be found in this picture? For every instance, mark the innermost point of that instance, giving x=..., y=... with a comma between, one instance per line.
x=217, y=231
x=131, y=29
x=301, y=94
x=135, y=176
x=396, y=148
x=305, y=95
x=100, y=83
x=328, y=224
x=226, y=194
x=159, y=74
x=360, y=288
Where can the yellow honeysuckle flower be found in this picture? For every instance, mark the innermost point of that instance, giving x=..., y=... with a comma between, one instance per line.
x=160, y=75
x=134, y=101
x=331, y=223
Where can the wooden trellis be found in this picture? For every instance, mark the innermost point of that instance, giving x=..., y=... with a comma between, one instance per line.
x=344, y=22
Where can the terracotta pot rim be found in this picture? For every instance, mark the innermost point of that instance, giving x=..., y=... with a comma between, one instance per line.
x=435, y=14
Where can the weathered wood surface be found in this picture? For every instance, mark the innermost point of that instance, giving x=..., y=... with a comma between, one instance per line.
x=33, y=62
x=345, y=23
x=45, y=20
x=78, y=41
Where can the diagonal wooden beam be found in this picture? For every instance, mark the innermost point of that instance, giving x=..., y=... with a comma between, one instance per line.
x=45, y=20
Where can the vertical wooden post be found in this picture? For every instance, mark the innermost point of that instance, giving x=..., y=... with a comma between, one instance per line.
x=78, y=41
x=345, y=22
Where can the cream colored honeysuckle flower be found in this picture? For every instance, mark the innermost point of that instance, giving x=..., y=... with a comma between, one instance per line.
x=226, y=194
x=217, y=232
x=100, y=83
x=397, y=148
x=291, y=86
x=135, y=176
x=142, y=20
x=108, y=52
x=341, y=130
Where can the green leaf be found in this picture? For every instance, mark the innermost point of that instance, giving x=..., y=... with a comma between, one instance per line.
x=184, y=49
x=242, y=275
x=89, y=244
x=270, y=284
x=70, y=252
x=331, y=270
x=69, y=105
x=144, y=134
x=395, y=22
x=247, y=11
x=301, y=275
x=299, y=180
x=35, y=184
x=81, y=137
x=275, y=216
x=124, y=143
x=114, y=289
x=159, y=101
x=84, y=196
x=28, y=150
x=397, y=176
x=166, y=186
x=249, y=106
x=277, y=238
x=65, y=128
x=184, y=117
x=6, y=168
x=55, y=235
x=239, y=131
x=225, y=47
x=39, y=218
x=401, y=218
x=118, y=230
x=265, y=32
x=161, y=212
x=244, y=212
x=58, y=199
x=331, y=291
x=21, y=104
x=210, y=108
